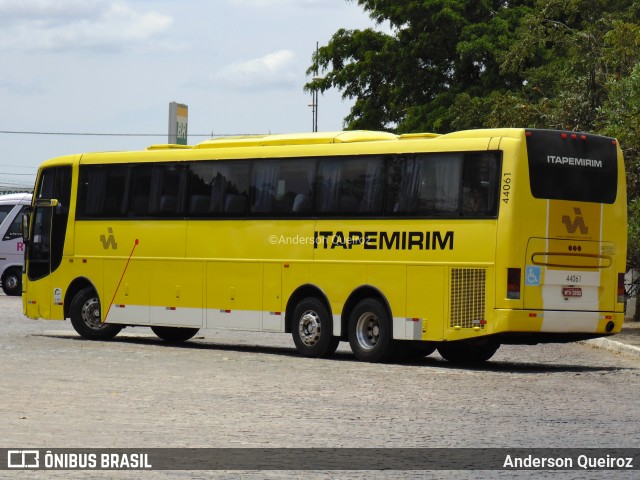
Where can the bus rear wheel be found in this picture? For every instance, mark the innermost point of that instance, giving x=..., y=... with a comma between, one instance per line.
x=12, y=282
x=175, y=334
x=312, y=329
x=370, y=334
x=414, y=349
x=466, y=352
x=86, y=318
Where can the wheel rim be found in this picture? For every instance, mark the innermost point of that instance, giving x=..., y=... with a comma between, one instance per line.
x=368, y=331
x=91, y=314
x=11, y=281
x=309, y=328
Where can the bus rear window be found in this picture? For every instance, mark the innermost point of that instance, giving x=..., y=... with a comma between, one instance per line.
x=572, y=166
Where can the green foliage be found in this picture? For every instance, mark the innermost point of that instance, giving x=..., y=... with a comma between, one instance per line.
x=619, y=117
x=633, y=246
x=407, y=79
x=451, y=64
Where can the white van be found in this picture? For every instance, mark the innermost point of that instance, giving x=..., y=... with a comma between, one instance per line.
x=11, y=244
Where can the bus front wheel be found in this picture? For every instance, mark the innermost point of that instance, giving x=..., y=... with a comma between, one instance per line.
x=86, y=318
x=312, y=329
x=370, y=334
x=466, y=352
x=175, y=334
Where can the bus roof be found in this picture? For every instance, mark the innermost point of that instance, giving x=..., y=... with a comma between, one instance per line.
x=371, y=141
x=317, y=138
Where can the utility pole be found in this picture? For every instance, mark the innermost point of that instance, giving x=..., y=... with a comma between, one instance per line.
x=314, y=98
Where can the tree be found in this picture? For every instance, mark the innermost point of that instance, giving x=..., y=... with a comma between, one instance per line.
x=408, y=79
x=454, y=64
x=569, y=54
x=620, y=118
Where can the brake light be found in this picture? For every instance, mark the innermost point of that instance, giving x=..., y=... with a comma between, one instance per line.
x=621, y=288
x=513, y=283
x=573, y=136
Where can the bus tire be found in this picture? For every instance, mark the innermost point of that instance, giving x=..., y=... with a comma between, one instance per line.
x=414, y=349
x=312, y=329
x=12, y=282
x=370, y=332
x=175, y=334
x=465, y=352
x=86, y=319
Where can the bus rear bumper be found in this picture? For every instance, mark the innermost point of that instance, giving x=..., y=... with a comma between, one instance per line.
x=558, y=322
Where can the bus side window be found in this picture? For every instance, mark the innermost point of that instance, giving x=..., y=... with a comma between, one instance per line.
x=168, y=186
x=102, y=191
x=218, y=188
x=479, y=185
x=351, y=185
x=424, y=184
x=265, y=185
x=283, y=187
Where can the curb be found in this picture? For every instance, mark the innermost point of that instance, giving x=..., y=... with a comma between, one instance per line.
x=614, y=346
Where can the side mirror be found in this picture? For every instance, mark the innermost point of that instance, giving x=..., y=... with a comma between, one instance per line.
x=26, y=219
x=46, y=202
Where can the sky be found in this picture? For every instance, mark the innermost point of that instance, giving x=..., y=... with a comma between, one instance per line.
x=113, y=67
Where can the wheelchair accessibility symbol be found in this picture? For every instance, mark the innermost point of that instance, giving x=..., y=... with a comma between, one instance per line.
x=532, y=276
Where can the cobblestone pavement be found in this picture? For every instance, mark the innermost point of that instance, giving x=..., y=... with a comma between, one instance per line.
x=238, y=389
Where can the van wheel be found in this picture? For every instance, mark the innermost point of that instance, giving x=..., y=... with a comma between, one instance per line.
x=370, y=333
x=312, y=329
x=12, y=282
x=465, y=352
x=86, y=319
x=175, y=334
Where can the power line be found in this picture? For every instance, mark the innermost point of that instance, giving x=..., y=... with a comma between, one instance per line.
x=14, y=166
x=14, y=185
x=97, y=134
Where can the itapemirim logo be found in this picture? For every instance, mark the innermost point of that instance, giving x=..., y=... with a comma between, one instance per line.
x=576, y=223
x=109, y=241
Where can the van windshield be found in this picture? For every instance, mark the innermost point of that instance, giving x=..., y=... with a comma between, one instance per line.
x=4, y=211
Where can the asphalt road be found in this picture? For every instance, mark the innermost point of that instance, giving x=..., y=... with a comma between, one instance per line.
x=238, y=389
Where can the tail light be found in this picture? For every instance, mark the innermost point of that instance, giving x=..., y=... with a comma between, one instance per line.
x=513, y=283
x=621, y=288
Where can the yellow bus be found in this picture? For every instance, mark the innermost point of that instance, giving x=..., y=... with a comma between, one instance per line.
x=398, y=244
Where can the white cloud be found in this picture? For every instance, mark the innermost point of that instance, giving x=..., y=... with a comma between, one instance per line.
x=20, y=10
x=76, y=25
x=272, y=71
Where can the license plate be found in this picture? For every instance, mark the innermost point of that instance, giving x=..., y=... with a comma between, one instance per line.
x=571, y=292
